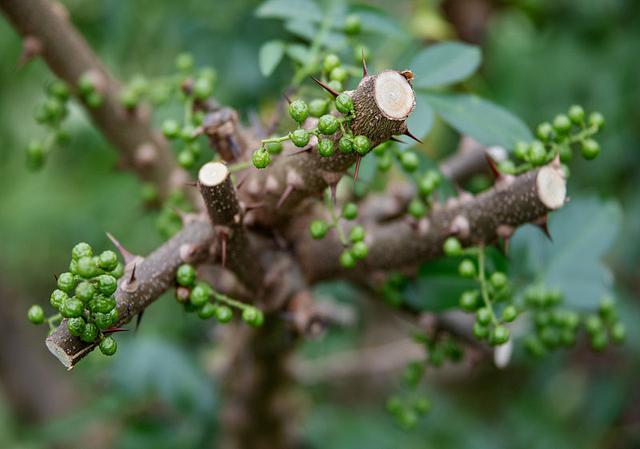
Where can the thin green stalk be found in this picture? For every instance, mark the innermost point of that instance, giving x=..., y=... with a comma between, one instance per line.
x=483, y=284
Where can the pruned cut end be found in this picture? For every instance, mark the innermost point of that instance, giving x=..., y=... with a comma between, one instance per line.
x=213, y=173
x=394, y=95
x=60, y=354
x=551, y=187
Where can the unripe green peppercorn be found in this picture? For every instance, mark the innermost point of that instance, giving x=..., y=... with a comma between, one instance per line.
x=599, y=341
x=108, y=346
x=66, y=282
x=607, y=308
x=224, y=314
x=82, y=249
x=186, y=275
x=350, y=211
x=184, y=62
x=596, y=120
x=537, y=153
x=361, y=144
x=89, y=333
x=384, y=162
x=352, y=24
x=335, y=85
x=509, y=314
x=103, y=304
x=500, y=335
x=593, y=324
x=345, y=145
x=274, y=147
x=467, y=268
x=339, y=74
x=417, y=208
x=469, y=300
x=75, y=326
x=72, y=308
x=35, y=314
x=344, y=103
x=94, y=100
x=87, y=267
x=328, y=124
x=129, y=99
x=590, y=149
x=318, y=107
x=203, y=88
x=576, y=114
x=207, y=311
x=118, y=271
x=186, y=159
x=300, y=137
x=325, y=148
x=480, y=331
x=85, y=291
x=200, y=294
x=299, y=111
x=544, y=131
x=618, y=332
x=452, y=247
x=498, y=280
x=318, y=229
x=360, y=250
x=108, y=260
x=252, y=316
x=356, y=234
x=107, y=284
x=429, y=182
x=260, y=159
x=347, y=260
x=409, y=161
x=521, y=151
x=57, y=298
x=330, y=62
x=483, y=316
x=35, y=155
x=561, y=124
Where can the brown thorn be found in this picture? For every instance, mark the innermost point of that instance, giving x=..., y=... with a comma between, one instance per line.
x=139, y=320
x=287, y=191
x=492, y=165
x=132, y=278
x=126, y=255
x=355, y=173
x=364, y=65
x=544, y=227
x=223, y=247
x=325, y=86
x=55, y=276
x=395, y=139
x=191, y=184
x=113, y=330
x=409, y=134
x=286, y=97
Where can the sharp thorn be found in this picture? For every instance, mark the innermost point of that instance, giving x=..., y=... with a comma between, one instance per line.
x=126, y=255
x=286, y=97
x=113, y=330
x=223, y=248
x=544, y=227
x=355, y=173
x=492, y=166
x=139, y=320
x=395, y=139
x=285, y=195
x=191, y=184
x=364, y=65
x=55, y=276
x=325, y=86
x=409, y=134
x=132, y=278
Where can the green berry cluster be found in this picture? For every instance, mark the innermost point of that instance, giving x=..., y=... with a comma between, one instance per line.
x=51, y=114
x=199, y=297
x=85, y=296
x=561, y=136
x=407, y=411
x=327, y=127
x=89, y=91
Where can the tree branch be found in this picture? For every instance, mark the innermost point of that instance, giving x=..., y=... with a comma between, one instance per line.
x=69, y=56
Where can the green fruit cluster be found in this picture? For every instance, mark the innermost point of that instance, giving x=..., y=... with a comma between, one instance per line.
x=89, y=91
x=85, y=296
x=200, y=298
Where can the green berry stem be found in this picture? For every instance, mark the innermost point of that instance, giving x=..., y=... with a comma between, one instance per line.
x=54, y=320
x=230, y=301
x=335, y=219
x=484, y=288
x=239, y=166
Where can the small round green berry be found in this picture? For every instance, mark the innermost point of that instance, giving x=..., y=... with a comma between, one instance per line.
x=409, y=161
x=356, y=234
x=542, y=319
x=335, y=85
x=429, y=182
x=57, y=298
x=318, y=229
x=224, y=314
x=499, y=335
x=544, y=131
x=35, y=155
x=108, y=346
x=344, y=103
x=537, y=153
x=507, y=166
x=361, y=144
x=561, y=124
x=452, y=247
x=103, y=304
x=509, y=314
x=107, y=284
x=571, y=320
x=252, y=316
x=417, y=209
x=94, y=100
x=330, y=62
x=328, y=124
x=186, y=159
x=260, y=159
x=360, y=250
x=325, y=148
x=59, y=90
x=394, y=405
x=534, y=346
x=339, y=74
x=170, y=129
x=188, y=133
x=207, y=311
x=345, y=145
x=467, y=269
x=352, y=24
x=300, y=137
x=89, y=333
x=590, y=149
x=607, y=308
x=66, y=282
x=200, y=294
x=422, y=406
x=618, y=332
x=521, y=151
x=596, y=120
x=203, y=88
x=118, y=271
x=565, y=153
x=186, y=275
x=469, y=300
x=75, y=326
x=85, y=291
x=129, y=99
x=576, y=114
x=299, y=111
x=347, y=260
x=86, y=85
x=483, y=316
x=35, y=314
x=72, y=308
x=480, y=331
x=104, y=320
x=274, y=147
x=599, y=341
x=408, y=419
x=384, y=162
x=81, y=250
x=498, y=280
x=318, y=107
x=350, y=211
x=593, y=324
x=108, y=260
x=184, y=62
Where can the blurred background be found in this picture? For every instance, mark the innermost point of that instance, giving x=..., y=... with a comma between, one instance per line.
x=538, y=58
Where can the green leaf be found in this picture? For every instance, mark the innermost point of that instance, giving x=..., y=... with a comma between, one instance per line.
x=445, y=63
x=298, y=52
x=483, y=120
x=290, y=9
x=583, y=232
x=308, y=30
x=375, y=20
x=421, y=119
x=270, y=56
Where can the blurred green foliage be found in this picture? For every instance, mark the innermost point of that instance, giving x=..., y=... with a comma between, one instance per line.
x=539, y=57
